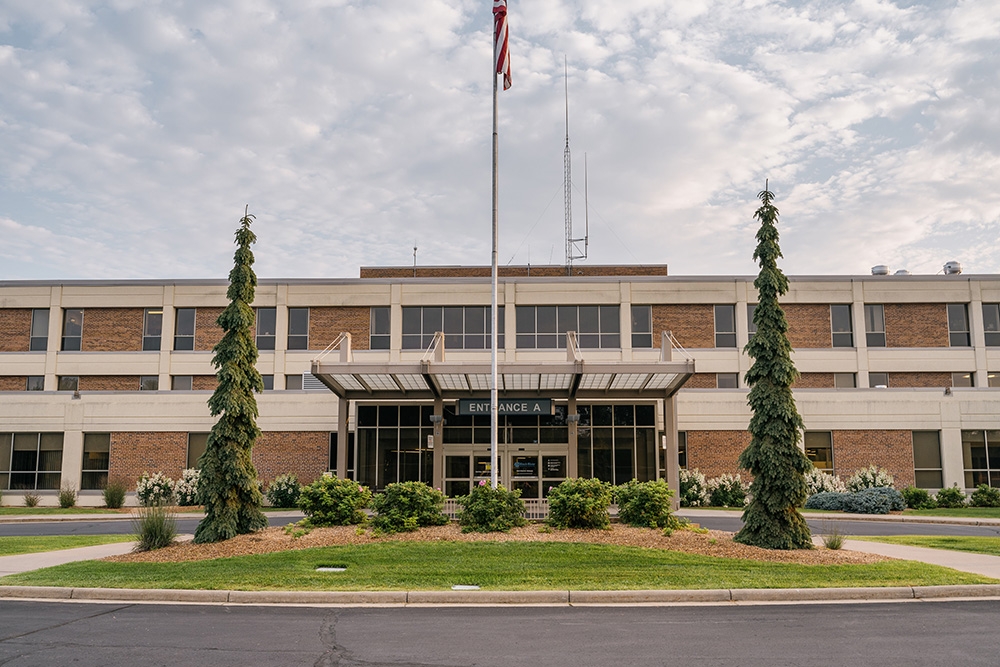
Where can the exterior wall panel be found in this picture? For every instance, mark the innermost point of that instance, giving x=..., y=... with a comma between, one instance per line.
x=206, y=332
x=808, y=324
x=889, y=449
x=326, y=323
x=692, y=325
x=306, y=454
x=136, y=452
x=716, y=452
x=15, y=329
x=112, y=330
x=916, y=325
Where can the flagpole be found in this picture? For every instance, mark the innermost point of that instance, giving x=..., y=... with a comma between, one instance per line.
x=493, y=308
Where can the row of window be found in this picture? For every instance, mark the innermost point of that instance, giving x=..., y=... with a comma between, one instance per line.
x=538, y=327
x=152, y=382
x=875, y=380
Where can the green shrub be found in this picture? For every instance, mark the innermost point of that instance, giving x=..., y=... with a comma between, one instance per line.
x=727, y=491
x=818, y=481
x=67, y=497
x=155, y=489
x=405, y=506
x=829, y=501
x=878, y=500
x=645, y=504
x=693, y=492
x=154, y=527
x=950, y=497
x=580, y=503
x=114, y=494
x=985, y=496
x=186, y=488
x=871, y=477
x=834, y=539
x=31, y=499
x=284, y=491
x=918, y=499
x=330, y=501
x=489, y=510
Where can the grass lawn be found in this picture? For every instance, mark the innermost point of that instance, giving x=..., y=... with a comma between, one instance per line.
x=490, y=565
x=977, y=545
x=966, y=512
x=43, y=511
x=10, y=546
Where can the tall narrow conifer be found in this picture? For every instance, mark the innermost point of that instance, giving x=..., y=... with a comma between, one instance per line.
x=228, y=483
x=771, y=520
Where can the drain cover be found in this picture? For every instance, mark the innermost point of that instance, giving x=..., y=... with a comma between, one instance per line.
x=331, y=569
x=463, y=587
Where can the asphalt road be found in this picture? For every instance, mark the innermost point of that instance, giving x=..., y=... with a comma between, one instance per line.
x=819, y=526
x=913, y=633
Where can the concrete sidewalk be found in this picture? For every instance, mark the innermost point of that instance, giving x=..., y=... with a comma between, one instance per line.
x=987, y=566
x=36, y=561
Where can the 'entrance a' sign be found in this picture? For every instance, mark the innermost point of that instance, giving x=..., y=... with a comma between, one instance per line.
x=506, y=406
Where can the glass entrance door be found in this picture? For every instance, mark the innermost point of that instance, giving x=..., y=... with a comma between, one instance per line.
x=532, y=470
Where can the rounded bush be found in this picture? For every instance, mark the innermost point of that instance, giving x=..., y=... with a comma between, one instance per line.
x=407, y=506
x=330, y=501
x=645, y=504
x=950, y=497
x=284, y=491
x=830, y=501
x=879, y=500
x=918, y=499
x=985, y=496
x=186, y=488
x=155, y=489
x=727, y=491
x=489, y=510
x=871, y=477
x=114, y=494
x=580, y=503
x=693, y=491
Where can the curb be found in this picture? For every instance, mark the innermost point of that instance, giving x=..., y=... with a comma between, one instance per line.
x=503, y=598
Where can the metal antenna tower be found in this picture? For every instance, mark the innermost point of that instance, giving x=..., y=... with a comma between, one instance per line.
x=571, y=250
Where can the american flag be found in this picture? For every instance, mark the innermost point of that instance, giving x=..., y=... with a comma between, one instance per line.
x=500, y=41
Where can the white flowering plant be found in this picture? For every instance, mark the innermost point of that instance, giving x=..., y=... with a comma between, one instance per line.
x=871, y=477
x=728, y=491
x=284, y=491
x=186, y=488
x=693, y=491
x=155, y=489
x=818, y=481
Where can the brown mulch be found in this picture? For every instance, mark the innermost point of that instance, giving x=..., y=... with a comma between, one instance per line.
x=712, y=543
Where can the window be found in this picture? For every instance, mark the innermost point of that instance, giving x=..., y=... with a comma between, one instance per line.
x=149, y=382
x=878, y=380
x=991, y=324
x=184, y=328
x=681, y=454
x=819, y=449
x=268, y=382
x=293, y=382
x=725, y=326
x=545, y=327
x=464, y=327
x=72, y=329
x=981, y=454
x=751, y=325
x=35, y=383
x=927, y=459
x=350, y=454
x=840, y=324
x=726, y=380
x=616, y=443
x=69, y=383
x=298, y=328
x=993, y=379
x=844, y=380
x=96, y=456
x=875, y=325
x=152, y=328
x=642, y=327
x=39, y=330
x=392, y=444
x=266, y=324
x=958, y=325
x=181, y=382
x=30, y=461
x=197, y=444
x=962, y=380
x=378, y=339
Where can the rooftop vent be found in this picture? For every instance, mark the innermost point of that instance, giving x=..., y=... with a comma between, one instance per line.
x=880, y=270
x=952, y=268
x=902, y=272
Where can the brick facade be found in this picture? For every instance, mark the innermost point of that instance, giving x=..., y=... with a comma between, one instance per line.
x=206, y=332
x=916, y=324
x=109, y=383
x=138, y=452
x=304, y=453
x=716, y=452
x=204, y=383
x=808, y=325
x=510, y=271
x=898, y=380
x=13, y=382
x=701, y=381
x=15, y=329
x=112, y=330
x=326, y=323
x=890, y=449
x=692, y=325
x=814, y=381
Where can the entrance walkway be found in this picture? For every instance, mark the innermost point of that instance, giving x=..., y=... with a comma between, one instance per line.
x=36, y=561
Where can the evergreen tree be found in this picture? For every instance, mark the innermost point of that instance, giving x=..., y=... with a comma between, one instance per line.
x=778, y=465
x=228, y=484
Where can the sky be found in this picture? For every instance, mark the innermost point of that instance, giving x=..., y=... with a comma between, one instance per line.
x=133, y=134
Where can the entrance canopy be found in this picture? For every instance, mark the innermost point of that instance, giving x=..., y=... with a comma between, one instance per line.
x=434, y=377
